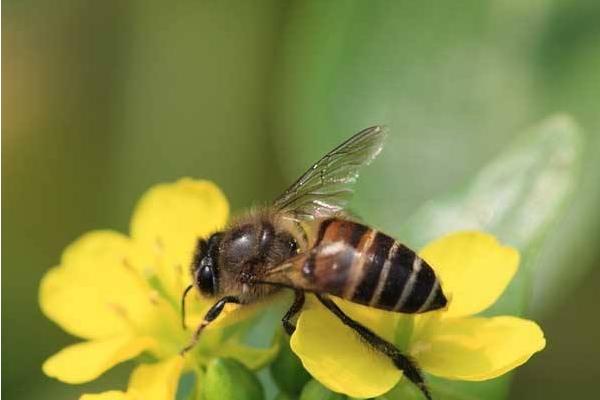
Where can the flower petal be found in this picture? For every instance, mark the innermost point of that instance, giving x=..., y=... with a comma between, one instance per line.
x=110, y=395
x=93, y=293
x=474, y=270
x=86, y=361
x=156, y=381
x=476, y=349
x=337, y=357
x=170, y=218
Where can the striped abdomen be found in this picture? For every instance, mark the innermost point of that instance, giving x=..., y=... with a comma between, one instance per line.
x=360, y=264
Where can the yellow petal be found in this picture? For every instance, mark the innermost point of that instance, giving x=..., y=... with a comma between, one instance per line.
x=86, y=361
x=476, y=349
x=110, y=395
x=170, y=218
x=93, y=293
x=474, y=270
x=156, y=381
x=337, y=357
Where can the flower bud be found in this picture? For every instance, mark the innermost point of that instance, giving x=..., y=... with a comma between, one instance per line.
x=226, y=378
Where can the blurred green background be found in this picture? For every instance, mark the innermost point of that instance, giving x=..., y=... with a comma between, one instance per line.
x=103, y=99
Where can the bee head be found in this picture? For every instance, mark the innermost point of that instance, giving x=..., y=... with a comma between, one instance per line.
x=205, y=269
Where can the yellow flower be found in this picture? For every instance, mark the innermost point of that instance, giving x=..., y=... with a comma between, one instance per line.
x=453, y=343
x=121, y=295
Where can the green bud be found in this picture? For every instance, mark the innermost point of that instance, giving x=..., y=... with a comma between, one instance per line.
x=313, y=390
x=287, y=370
x=226, y=378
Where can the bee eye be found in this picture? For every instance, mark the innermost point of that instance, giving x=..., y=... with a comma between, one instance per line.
x=206, y=280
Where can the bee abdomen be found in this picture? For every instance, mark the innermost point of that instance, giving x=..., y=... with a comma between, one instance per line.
x=376, y=270
x=406, y=283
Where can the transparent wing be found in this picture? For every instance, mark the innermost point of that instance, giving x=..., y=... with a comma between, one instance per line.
x=325, y=188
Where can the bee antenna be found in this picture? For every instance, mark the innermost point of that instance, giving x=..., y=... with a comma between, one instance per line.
x=185, y=292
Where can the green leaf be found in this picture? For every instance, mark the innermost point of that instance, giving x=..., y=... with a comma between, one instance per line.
x=252, y=357
x=283, y=396
x=516, y=196
x=252, y=341
x=313, y=390
x=287, y=369
x=229, y=379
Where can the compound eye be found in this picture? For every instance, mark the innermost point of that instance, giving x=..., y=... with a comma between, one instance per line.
x=206, y=280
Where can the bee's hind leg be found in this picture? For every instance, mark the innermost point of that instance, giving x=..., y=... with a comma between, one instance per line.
x=402, y=362
x=294, y=309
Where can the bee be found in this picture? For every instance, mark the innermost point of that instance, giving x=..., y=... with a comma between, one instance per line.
x=306, y=242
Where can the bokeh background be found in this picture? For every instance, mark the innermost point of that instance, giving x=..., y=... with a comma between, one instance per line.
x=103, y=99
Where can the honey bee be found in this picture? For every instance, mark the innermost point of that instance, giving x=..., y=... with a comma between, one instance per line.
x=306, y=242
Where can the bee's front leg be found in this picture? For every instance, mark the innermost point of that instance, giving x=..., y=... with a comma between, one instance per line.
x=210, y=316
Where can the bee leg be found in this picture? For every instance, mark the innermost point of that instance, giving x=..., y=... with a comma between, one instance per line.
x=294, y=309
x=210, y=316
x=402, y=362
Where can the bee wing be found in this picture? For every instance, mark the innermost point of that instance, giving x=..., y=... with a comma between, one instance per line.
x=325, y=189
